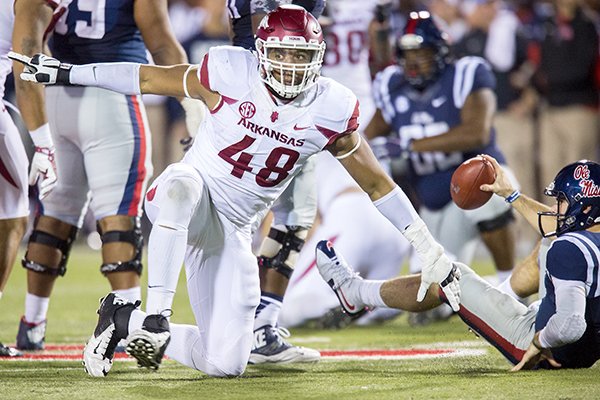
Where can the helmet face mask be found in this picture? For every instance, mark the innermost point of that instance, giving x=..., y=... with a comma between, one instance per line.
x=420, y=66
x=422, y=50
x=290, y=48
x=577, y=191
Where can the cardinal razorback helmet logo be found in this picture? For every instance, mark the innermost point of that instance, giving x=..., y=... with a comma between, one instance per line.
x=292, y=28
x=578, y=184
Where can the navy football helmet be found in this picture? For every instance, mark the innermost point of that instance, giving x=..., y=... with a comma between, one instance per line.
x=577, y=184
x=421, y=32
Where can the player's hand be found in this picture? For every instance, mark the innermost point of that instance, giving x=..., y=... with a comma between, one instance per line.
x=385, y=148
x=42, y=69
x=533, y=356
x=43, y=170
x=502, y=186
x=445, y=273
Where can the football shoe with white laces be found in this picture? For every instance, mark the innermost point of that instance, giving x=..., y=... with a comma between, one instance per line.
x=269, y=346
x=340, y=277
x=31, y=336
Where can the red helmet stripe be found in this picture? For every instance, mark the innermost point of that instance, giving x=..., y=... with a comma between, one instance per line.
x=411, y=26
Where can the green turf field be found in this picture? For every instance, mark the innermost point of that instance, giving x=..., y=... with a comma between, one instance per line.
x=72, y=318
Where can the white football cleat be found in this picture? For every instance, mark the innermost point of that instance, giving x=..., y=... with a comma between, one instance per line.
x=340, y=277
x=99, y=351
x=269, y=346
x=148, y=344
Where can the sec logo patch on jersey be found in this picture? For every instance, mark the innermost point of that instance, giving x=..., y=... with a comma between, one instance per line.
x=247, y=109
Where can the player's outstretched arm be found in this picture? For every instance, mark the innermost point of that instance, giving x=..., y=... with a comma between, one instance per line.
x=127, y=78
x=358, y=159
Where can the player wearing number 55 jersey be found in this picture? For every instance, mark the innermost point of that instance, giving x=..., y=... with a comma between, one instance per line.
x=442, y=112
x=268, y=115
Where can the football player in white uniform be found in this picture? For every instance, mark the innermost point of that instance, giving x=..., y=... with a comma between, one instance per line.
x=371, y=244
x=268, y=115
x=293, y=213
x=29, y=18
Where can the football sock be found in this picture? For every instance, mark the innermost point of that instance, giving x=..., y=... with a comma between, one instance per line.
x=166, y=253
x=368, y=292
x=36, y=308
x=506, y=288
x=132, y=294
x=136, y=320
x=503, y=276
x=268, y=310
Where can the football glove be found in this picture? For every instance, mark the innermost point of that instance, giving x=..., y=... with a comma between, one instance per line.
x=446, y=274
x=43, y=167
x=385, y=148
x=43, y=69
x=437, y=267
x=43, y=170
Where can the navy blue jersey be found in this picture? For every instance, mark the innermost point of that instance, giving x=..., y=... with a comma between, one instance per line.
x=98, y=31
x=575, y=256
x=415, y=115
x=241, y=11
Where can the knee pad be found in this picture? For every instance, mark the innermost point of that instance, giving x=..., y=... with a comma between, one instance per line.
x=51, y=240
x=179, y=202
x=134, y=237
x=289, y=241
x=498, y=222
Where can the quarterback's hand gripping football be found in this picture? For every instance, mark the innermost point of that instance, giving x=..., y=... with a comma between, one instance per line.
x=42, y=69
x=502, y=186
x=446, y=274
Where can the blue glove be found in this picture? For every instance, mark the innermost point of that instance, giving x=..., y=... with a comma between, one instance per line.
x=385, y=148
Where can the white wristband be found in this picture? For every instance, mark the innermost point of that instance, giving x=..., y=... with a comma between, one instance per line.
x=118, y=77
x=185, y=75
x=41, y=136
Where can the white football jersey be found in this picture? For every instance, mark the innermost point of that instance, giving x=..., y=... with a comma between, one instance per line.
x=347, y=52
x=7, y=19
x=251, y=145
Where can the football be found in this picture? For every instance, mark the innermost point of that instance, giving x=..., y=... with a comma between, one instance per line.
x=466, y=180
